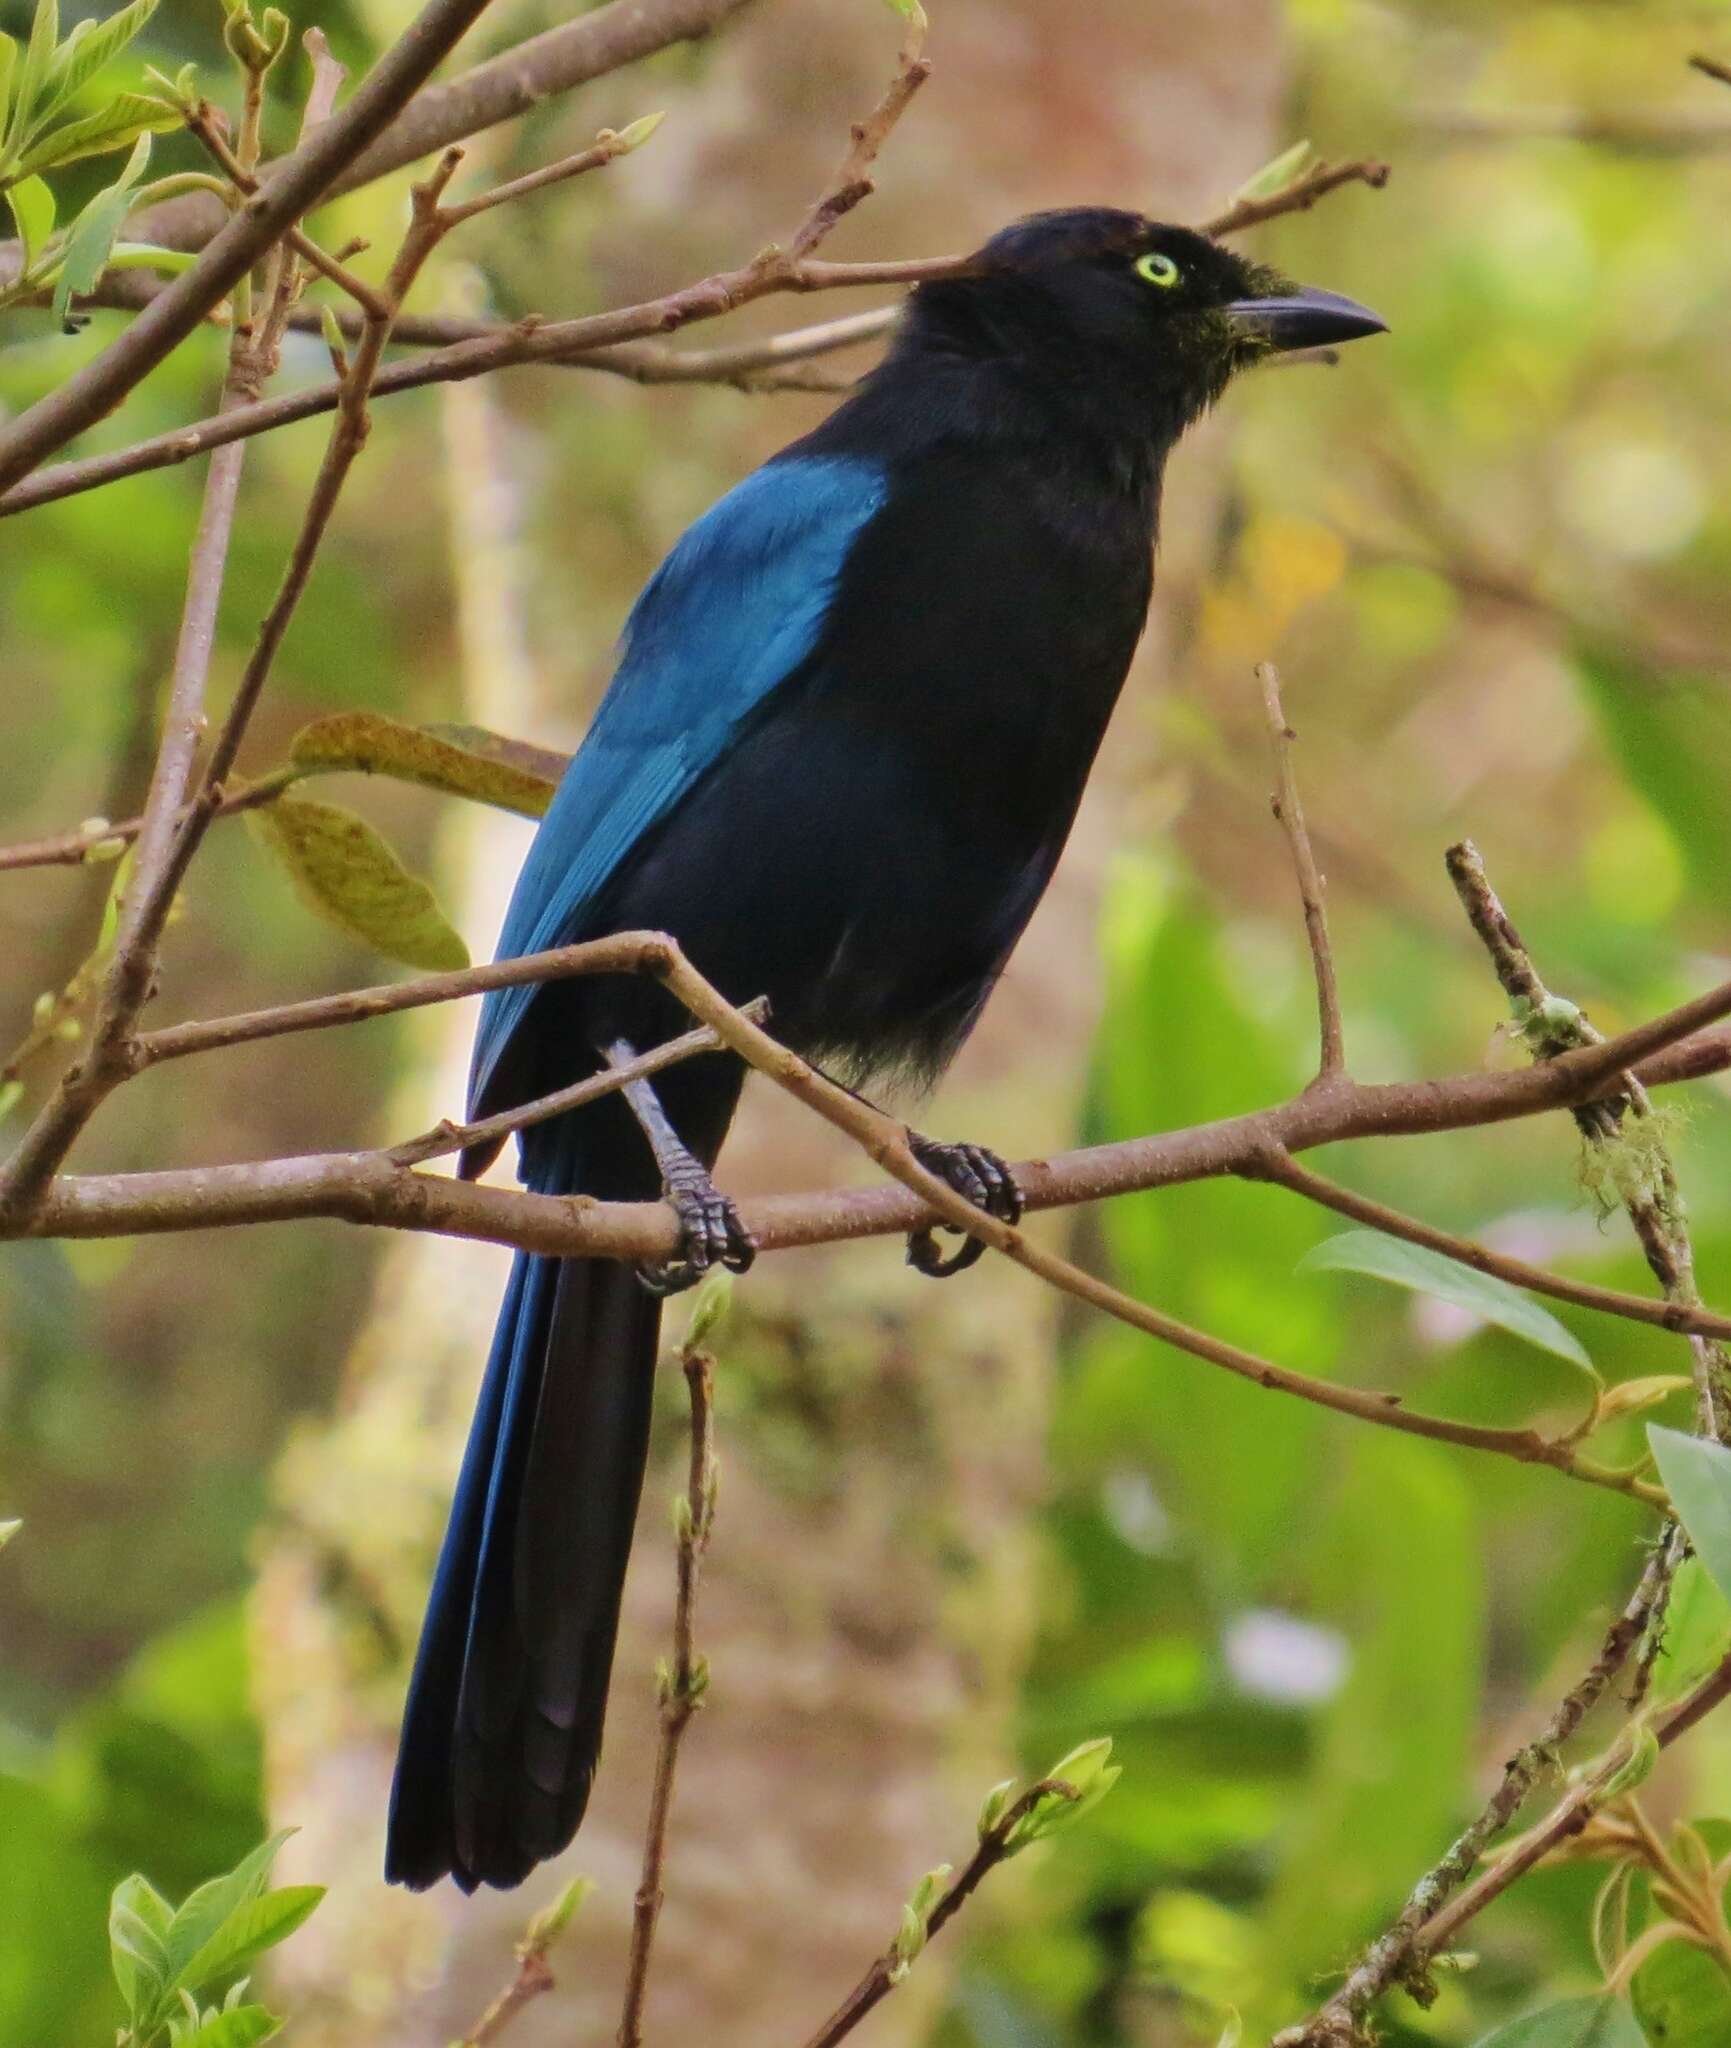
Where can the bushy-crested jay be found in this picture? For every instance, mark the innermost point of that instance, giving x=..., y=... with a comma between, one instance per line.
x=850, y=726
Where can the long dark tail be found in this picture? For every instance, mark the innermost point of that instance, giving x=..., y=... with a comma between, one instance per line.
x=503, y=1724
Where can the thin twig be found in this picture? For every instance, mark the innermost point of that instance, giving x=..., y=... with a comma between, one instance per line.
x=294, y=186
x=533, y=1975
x=1286, y=1172
x=1651, y=1196
x=1299, y=196
x=681, y=1684
x=1568, y=1816
x=531, y=1980
x=887, y=1970
x=1552, y=1029
x=1290, y=812
x=449, y=1137
x=151, y=887
x=620, y=953
x=620, y=341
x=888, y=1144
x=201, y=122
x=852, y=180
x=606, y=146
x=1390, y=1960
x=511, y=84
x=73, y=849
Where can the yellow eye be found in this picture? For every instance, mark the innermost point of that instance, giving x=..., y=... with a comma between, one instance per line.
x=1157, y=269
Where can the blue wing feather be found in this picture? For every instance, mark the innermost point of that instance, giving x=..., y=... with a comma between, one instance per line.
x=731, y=613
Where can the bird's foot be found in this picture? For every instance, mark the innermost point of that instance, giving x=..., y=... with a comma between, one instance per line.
x=710, y=1234
x=978, y=1175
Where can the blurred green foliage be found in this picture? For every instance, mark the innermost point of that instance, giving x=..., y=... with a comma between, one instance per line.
x=1492, y=561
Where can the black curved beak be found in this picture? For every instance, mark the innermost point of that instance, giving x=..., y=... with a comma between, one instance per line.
x=1306, y=319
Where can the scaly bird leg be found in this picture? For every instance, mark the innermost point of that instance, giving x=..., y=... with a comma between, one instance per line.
x=975, y=1173
x=980, y=1176
x=710, y=1231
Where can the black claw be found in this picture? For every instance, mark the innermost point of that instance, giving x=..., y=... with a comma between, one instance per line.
x=979, y=1176
x=710, y=1234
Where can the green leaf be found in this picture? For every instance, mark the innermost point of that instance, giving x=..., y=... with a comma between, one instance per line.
x=32, y=205
x=1697, y=1631
x=122, y=121
x=709, y=1306
x=550, y=1923
x=1697, y=1475
x=1682, y=1999
x=1428, y=1272
x=1637, y=1767
x=9, y=1529
x=8, y=65
x=247, y=1932
x=636, y=133
x=1671, y=734
x=346, y=873
x=91, y=45
x=93, y=233
x=1398, y=1571
x=1275, y=175
x=240, y=2027
x=138, y=1927
x=1089, y=1773
x=1576, y=2023
x=432, y=756
x=203, y=1912
x=38, y=55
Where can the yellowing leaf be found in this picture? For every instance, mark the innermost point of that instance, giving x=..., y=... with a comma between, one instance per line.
x=460, y=760
x=347, y=874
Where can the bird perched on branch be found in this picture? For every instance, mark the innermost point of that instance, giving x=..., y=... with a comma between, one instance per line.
x=850, y=726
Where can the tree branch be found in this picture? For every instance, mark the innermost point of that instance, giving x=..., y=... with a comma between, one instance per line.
x=353, y=1185
x=1648, y=1193
x=1290, y=812
x=296, y=185
x=533, y=1975
x=615, y=342
x=682, y=1684
x=1392, y=1958
x=150, y=888
x=1298, y=197
x=996, y=1845
x=1569, y=1816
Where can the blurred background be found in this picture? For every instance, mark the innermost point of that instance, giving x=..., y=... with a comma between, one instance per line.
x=960, y=1529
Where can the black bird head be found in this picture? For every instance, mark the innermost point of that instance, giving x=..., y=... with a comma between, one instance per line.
x=1125, y=319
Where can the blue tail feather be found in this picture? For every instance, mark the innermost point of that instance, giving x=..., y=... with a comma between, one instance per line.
x=505, y=1708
